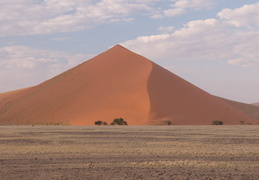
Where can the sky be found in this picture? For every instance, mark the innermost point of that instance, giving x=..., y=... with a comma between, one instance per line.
x=212, y=44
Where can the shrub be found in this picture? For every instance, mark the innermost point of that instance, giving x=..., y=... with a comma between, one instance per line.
x=168, y=123
x=119, y=121
x=104, y=123
x=100, y=123
x=242, y=122
x=124, y=123
x=97, y=122
x=217, y=122
x=113, y=123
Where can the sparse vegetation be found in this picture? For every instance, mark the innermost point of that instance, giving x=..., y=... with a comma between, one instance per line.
x=119, y=121
x=97, y=122
x=168, y=123
x=242, y=122
x=217, y=122
x=39, y=124
x=100, y=123
x=104, y=123
x=57, y=123
x=206, y=151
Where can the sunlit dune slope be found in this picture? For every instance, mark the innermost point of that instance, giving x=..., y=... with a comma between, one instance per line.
x=116, y=83
x=111, y=85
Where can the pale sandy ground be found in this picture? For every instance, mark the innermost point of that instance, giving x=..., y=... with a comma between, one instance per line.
x=129, y=152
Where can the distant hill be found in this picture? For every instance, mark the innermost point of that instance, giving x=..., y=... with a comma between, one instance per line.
x=117, y=83
x=257, y=104
x=250, y=109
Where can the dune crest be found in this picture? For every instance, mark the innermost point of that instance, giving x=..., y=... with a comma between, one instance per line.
x=116, y=83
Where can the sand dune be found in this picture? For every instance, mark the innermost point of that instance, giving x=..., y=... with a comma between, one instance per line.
x=175, y=99
x=250, y=109
x=113, y=84
x=116, y=83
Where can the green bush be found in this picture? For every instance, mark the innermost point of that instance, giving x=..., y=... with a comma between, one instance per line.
x=217, y=122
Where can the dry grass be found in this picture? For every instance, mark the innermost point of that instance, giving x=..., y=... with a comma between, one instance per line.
x=129, y=152
x=187, y=142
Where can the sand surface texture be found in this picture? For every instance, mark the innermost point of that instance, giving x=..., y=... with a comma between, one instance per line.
x=117, y=83
x=129, y=152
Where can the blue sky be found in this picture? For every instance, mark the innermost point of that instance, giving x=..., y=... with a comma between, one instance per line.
x=212, y=44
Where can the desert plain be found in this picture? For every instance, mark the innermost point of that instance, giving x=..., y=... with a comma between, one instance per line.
x=129, y=152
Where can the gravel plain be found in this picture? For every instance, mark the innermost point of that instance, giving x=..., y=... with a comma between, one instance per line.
x=129, y=152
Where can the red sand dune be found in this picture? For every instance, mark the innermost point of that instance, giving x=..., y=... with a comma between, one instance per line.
x=249, y=109
x=116, y=83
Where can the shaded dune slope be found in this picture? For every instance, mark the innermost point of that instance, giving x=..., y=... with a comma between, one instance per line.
x=250, y=109
x=179, y=101
x=116, y=83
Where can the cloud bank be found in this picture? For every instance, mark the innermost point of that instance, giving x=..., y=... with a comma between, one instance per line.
x=209, y=39
x=180, y=7
x=246, y=16
x=19, y=17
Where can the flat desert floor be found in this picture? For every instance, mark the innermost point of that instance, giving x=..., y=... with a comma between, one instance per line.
x=129, y=152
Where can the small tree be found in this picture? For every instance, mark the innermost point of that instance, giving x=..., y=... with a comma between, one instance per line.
x=242, y=122
x=124, y=123
x=100, y=123
x=119, y=121
x=168, y=123
x=104, y=123
x=113, y=123
x=217, y=122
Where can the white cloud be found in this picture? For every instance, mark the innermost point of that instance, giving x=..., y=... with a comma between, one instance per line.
x=195, y=4
x=246, y=16
x=22, y=65
x=208, y=39
x=174, y=12
x=244, y=62
x=18, y=17
x=179, y=7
